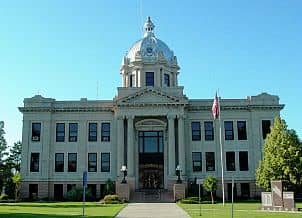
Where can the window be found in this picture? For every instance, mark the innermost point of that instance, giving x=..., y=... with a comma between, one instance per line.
x=208, y=131
x=197, y=164
x=149, y=78
x=195, y=131
x=92, y=137
x=167, y=80
x=73, y=132
x=58, y=192
x=228, y=130
x=70, y=187
x=72, y=162
x=105, y=162
x=60, y=132
x=105, y=134
x=92, y=165
x=131, y=80
x=34, y=162
x=33, y=191
x=59, y=162
x=243, y=160
x=151, y=142
x=241, y=128
x=245, y=190
x=92, y=189
x=210, y=161
x=266, y=125
x=35, y=132
x=230, y=161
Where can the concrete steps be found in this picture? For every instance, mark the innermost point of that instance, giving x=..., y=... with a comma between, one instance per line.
x=152, y=196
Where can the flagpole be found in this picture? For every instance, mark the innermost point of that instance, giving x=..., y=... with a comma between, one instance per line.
x=221, y=153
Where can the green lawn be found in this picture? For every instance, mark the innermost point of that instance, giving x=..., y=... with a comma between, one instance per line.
x=60, y=209
x=241, y=210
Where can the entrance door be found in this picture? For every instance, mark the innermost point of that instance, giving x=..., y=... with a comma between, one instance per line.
x=151, y=160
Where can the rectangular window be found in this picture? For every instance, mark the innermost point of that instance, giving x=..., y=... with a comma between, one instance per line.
x=92, y=162
x=59, y=162
x=195, y=126
x=131, y=80
x=266, y=125
x=73, y=132
x=208, y=131
x=230, y=161
x=93, y=132
x=149, y=78
x=35, y=132
x=243, y=160
x=60, y=132
x=245, y=190
x=197, y=164
x=241, y=128
x=33, y=191
x=72, y=162
x=34, y=162
x=105, y=162
x=210, y=161
x=167, y=80
x=58, y=192
x=228, y=130
x=105, y=134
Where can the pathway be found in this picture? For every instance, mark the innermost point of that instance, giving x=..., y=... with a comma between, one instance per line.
x=152, y=210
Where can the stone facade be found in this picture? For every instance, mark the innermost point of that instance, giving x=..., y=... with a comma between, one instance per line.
x=149, y=101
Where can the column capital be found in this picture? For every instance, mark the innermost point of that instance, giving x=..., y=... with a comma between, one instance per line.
x=171, y=116
x=181, y=116
x=120, y=117
x=130, y=117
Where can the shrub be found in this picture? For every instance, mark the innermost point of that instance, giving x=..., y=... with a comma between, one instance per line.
x=3, y=197
x=194, y=200
x=109, y=187
x=112, y=199
x=76, y=194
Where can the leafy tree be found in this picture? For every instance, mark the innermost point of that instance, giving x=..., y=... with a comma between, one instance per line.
x=3, y=144
x=17, y=181
x=14, y=158
x=282, y=157
x=210, y=185
x=109, y=187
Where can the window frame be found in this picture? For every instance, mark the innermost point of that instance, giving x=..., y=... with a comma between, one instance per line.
x=208, y=161
x=103, y=169
x=105, y=138
x=229, y=165
x=60, y=138
x=73, y=138
x=244, y=161
x=94, y=161
x=57, y=162
x=167, y=79
x=197, y=168
x=228, y=136
x=92, y=138
x=265, y=133
x=196, y=137
x=147, y=77
x=70, y=163
x=34, y=132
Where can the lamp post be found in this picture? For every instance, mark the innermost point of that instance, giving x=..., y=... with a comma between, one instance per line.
x=124, y=171
x=178, y=170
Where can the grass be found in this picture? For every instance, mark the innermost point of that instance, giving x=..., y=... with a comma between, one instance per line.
x=59, y=209
x=241, y=210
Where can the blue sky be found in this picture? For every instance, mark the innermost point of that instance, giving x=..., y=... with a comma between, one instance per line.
x=63, y=49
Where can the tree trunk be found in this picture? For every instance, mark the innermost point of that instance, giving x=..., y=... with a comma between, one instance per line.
x=212, y=198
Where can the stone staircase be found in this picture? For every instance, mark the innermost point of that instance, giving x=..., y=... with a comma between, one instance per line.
x=152, y=196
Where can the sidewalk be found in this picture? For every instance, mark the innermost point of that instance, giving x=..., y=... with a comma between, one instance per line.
x=152, y=210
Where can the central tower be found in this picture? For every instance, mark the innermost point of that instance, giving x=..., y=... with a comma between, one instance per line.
x=149, y=62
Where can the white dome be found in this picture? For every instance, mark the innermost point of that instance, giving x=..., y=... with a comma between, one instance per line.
x=150, y=47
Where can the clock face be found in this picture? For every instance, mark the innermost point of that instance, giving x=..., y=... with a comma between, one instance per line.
x=149, y=50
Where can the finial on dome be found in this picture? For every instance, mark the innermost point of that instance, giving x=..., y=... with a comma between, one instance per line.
x=148, y=27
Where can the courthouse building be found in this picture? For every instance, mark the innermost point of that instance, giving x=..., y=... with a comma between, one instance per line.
x=150, y=126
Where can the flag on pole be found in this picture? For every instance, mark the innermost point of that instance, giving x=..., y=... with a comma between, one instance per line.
x=215, y=107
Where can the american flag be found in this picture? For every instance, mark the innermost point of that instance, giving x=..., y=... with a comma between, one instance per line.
x=215, y=107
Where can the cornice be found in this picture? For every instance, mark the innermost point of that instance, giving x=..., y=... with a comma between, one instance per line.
x=237, y=107
x=66, y=109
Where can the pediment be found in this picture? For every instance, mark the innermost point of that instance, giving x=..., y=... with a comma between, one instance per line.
x=151, y=96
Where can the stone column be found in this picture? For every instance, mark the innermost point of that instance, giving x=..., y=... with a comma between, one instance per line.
x=171, y=144
x=120, y=144
x=181, y=145
x=130, y=144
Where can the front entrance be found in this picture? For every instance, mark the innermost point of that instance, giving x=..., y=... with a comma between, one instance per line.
x=151, y=160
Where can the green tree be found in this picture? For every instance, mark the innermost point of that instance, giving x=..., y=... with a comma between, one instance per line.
x=3, y=144
x=282, y=157
x=210, y=185
x=14, y=158
x=17, y=181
